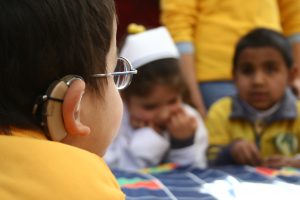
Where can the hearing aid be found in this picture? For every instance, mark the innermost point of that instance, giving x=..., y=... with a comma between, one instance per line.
x=52, y=117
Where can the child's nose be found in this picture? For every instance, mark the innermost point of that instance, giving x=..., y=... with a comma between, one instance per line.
x=174, y=108
x=164, y=114
x=259, y=78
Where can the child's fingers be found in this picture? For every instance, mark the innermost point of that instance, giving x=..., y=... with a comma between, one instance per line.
x=273, y=158
x=181, y=126
x=241, y=156
x=174, y=121
x=182, y=120
x=275, y=164
x=179, y=110
x=245, y=152
x=250, y=154
x=181, y=116
x=246, y=155
x=255, y=155
x=192, y=121
x=275, y=161
x=175, y=124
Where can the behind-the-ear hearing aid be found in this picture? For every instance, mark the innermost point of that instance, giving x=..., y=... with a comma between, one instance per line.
x=51, y=110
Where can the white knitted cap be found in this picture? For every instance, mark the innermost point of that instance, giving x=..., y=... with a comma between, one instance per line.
x=149, y=46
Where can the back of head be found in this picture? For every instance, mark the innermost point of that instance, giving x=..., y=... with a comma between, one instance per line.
x=41, y=41
x=154, y=54
x=262, y=37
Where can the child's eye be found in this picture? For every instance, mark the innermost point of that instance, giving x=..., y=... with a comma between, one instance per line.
x=270, y=67
x=150, y=106
x=246, y=69
x=173, y=101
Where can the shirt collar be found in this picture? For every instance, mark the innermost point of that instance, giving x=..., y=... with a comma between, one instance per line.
x=28, y=133
x=286, y=109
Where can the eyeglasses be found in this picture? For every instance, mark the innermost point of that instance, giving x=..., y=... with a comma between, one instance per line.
x=122, y=75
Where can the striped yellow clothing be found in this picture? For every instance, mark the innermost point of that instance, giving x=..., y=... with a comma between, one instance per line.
x=227, y=122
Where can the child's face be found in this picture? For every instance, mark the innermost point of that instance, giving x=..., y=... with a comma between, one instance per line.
x=261, y=77
x=154, y=109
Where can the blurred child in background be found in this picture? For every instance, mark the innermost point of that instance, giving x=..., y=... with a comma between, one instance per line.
x=157, y=126
x=261, y=124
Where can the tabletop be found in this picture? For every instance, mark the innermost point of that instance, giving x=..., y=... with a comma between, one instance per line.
x=170, y=182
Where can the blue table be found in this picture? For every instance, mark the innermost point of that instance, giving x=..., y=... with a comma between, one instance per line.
x=169, y=182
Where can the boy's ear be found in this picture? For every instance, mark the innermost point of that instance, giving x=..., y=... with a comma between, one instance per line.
x=71, y=109
x=294, y=81
x=293, y=73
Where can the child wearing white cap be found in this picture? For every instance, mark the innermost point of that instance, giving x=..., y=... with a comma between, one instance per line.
x=157, y=127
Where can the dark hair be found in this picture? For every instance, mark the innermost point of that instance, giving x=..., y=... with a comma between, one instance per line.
x=163, y=71
x=262, y=37
x=42, y=41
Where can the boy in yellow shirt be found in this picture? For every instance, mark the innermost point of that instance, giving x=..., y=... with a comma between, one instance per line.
x=206, y=32
x=59, y=102
x=260, y=125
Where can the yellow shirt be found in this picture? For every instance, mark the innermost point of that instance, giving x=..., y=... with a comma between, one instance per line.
x=269, y=138
x=215, y=26
x=33, y=168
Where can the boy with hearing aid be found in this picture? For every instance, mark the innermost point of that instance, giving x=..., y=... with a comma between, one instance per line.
x=260, y=125
x=157, y=127
x=59, y=102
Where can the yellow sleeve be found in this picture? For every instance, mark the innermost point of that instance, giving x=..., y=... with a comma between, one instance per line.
x=290, y=16
x=297, y=125
x=217, y=123
x=179, y=16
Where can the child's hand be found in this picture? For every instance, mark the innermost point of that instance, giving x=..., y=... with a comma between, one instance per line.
x=245, y=153
x=277, y=161
x=181, y=125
